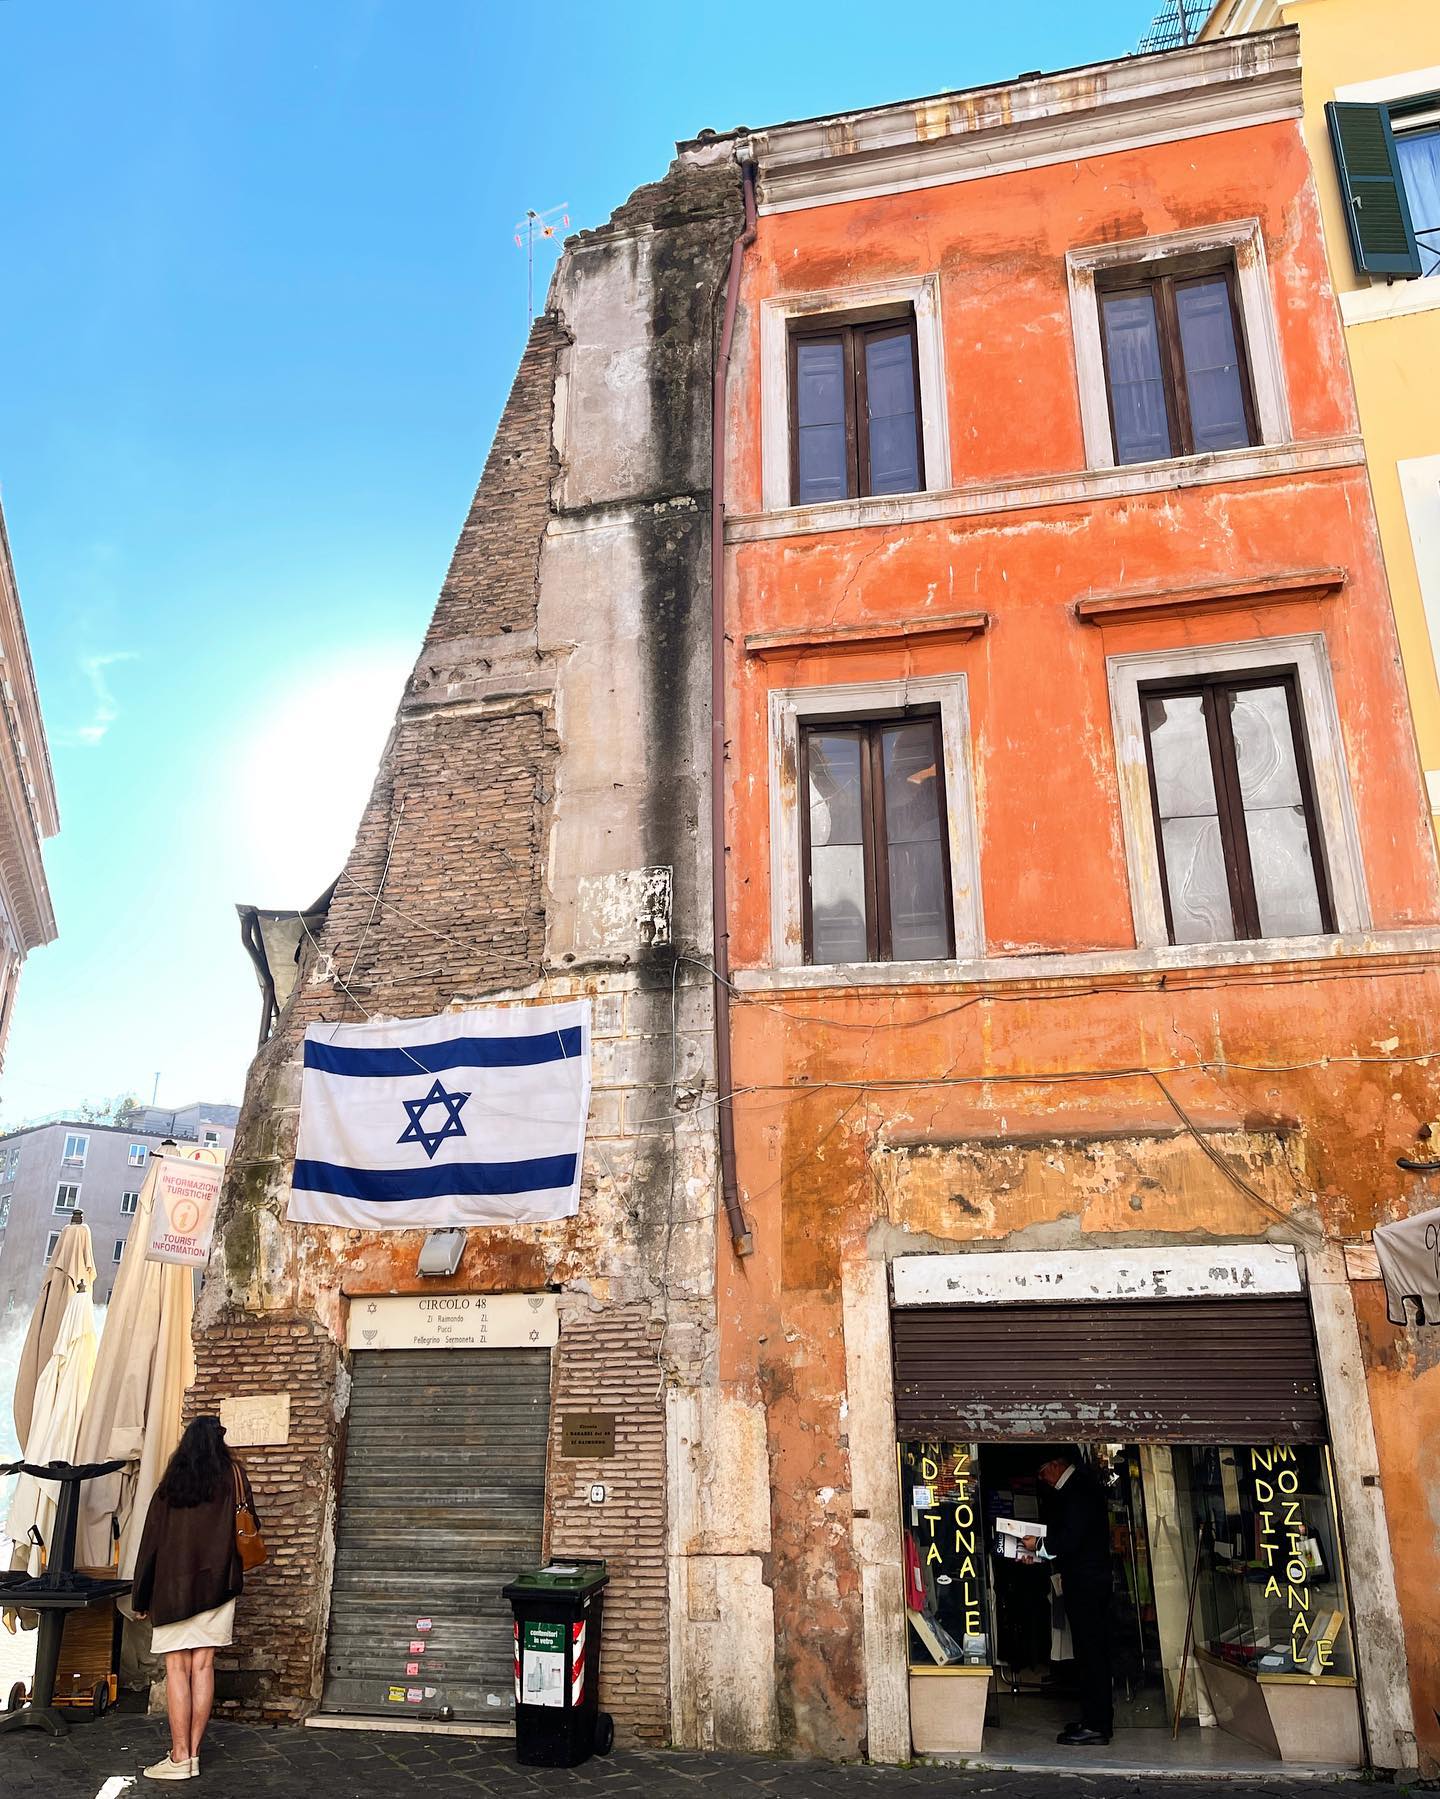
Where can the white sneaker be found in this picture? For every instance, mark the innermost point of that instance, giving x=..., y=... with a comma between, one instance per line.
x=169, y=1769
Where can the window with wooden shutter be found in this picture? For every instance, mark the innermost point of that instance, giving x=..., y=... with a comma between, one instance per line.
x=1377, y=214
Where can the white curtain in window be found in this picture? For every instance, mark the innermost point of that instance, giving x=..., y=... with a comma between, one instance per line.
x=1420, y=170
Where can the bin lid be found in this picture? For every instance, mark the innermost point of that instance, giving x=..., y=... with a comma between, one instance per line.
x=560, y=1577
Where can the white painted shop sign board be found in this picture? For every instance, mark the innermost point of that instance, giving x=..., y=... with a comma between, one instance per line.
x=1199, y=1271
x=455, y=1321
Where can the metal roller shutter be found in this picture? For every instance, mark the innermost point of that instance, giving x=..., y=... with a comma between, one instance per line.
x=442, y=1503
x=1156, y=1371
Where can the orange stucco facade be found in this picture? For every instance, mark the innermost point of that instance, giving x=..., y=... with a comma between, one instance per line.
x=852, y=1090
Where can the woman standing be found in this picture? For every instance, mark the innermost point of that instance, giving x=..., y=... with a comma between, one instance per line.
x=187, y=1578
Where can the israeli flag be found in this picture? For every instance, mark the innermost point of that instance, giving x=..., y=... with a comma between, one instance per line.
x=469, y=1118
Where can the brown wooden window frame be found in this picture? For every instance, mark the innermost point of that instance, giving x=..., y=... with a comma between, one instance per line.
x=850, y=330
x=878, y=925
x=1112, y=284
x=1229, y=806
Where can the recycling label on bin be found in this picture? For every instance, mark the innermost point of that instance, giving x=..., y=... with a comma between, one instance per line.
x=542, y=1663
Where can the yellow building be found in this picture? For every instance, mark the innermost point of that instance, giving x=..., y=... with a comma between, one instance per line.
x=1371, y=74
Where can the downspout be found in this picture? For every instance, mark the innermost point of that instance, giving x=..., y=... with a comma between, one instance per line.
x=724, y=1080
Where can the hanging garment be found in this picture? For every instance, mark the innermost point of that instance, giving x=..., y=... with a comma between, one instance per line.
x=1409, y=1256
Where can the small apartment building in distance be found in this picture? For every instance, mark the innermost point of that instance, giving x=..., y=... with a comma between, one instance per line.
x=28, y=812
x=1371, y=73
x=1083, y=918
x=50, y=1171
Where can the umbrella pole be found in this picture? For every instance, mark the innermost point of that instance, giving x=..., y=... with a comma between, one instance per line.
x=1189, y=1633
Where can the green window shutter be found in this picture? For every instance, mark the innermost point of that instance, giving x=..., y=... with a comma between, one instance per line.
x=1377, y=214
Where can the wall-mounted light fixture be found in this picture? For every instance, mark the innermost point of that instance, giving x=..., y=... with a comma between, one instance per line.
x=441, y=1251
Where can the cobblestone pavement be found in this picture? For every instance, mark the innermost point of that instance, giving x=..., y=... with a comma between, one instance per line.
x=241, y=1762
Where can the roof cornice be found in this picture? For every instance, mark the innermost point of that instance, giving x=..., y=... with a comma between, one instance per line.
x=1104, y=107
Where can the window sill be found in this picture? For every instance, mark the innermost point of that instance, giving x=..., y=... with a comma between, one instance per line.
x=1092, y=964
x=1390, y=299
x=1079, y=487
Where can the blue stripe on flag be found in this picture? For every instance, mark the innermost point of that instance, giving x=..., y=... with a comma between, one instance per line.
x=455, y=1052
x=395, y=1185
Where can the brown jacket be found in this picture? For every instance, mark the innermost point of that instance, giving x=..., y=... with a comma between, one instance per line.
x=188, y=1561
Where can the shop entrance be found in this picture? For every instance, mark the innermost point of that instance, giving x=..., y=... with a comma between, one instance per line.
x=1036, y=1675
x=1224, y=1553
x=1224, y=1561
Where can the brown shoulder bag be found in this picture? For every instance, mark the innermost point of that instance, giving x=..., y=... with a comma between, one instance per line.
x=248, y=1541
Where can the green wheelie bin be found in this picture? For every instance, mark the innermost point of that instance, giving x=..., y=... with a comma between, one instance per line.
x=558, y=1610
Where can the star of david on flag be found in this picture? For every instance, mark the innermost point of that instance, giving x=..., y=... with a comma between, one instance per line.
x=468, y=1118
x=415, y=1131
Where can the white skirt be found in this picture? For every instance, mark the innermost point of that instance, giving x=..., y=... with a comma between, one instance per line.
x=206, y=1630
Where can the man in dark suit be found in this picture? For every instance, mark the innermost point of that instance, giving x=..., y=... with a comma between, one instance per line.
x=1077, y=1536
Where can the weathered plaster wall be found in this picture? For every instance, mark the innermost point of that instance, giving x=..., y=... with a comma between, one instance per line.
x=878, y=1125
x=538, y=829
x=999, y=246
x=1007, y=1113
x=1403, y=1368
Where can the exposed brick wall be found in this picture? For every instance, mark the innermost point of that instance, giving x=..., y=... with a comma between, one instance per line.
x=460, y=818
x=607, y=1363
x=491, y=583
x=455, y=821
x=273, y=1667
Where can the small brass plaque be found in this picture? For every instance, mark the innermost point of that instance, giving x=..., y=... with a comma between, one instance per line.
x=587, y=1436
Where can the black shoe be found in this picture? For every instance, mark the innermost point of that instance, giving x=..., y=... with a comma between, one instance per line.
x=1080, y=1734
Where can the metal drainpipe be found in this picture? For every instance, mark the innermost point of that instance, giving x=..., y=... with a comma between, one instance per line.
x=740, y=1236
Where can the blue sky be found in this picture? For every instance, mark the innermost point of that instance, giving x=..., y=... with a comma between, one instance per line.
x=260, y=309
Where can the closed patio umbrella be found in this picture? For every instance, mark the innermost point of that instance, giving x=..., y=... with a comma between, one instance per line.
x=59, y=1401
x=71, y=1266
x=144, y=1366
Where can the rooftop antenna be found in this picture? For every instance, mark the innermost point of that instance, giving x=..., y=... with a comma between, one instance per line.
x=533, y=225
x=155, y=1090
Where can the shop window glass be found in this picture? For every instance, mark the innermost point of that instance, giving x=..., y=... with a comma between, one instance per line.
x=947, y=1600
x=1272, y=1582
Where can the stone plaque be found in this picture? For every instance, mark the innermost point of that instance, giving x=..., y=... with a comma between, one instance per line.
x=258, y=1421
x=587, y=1436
